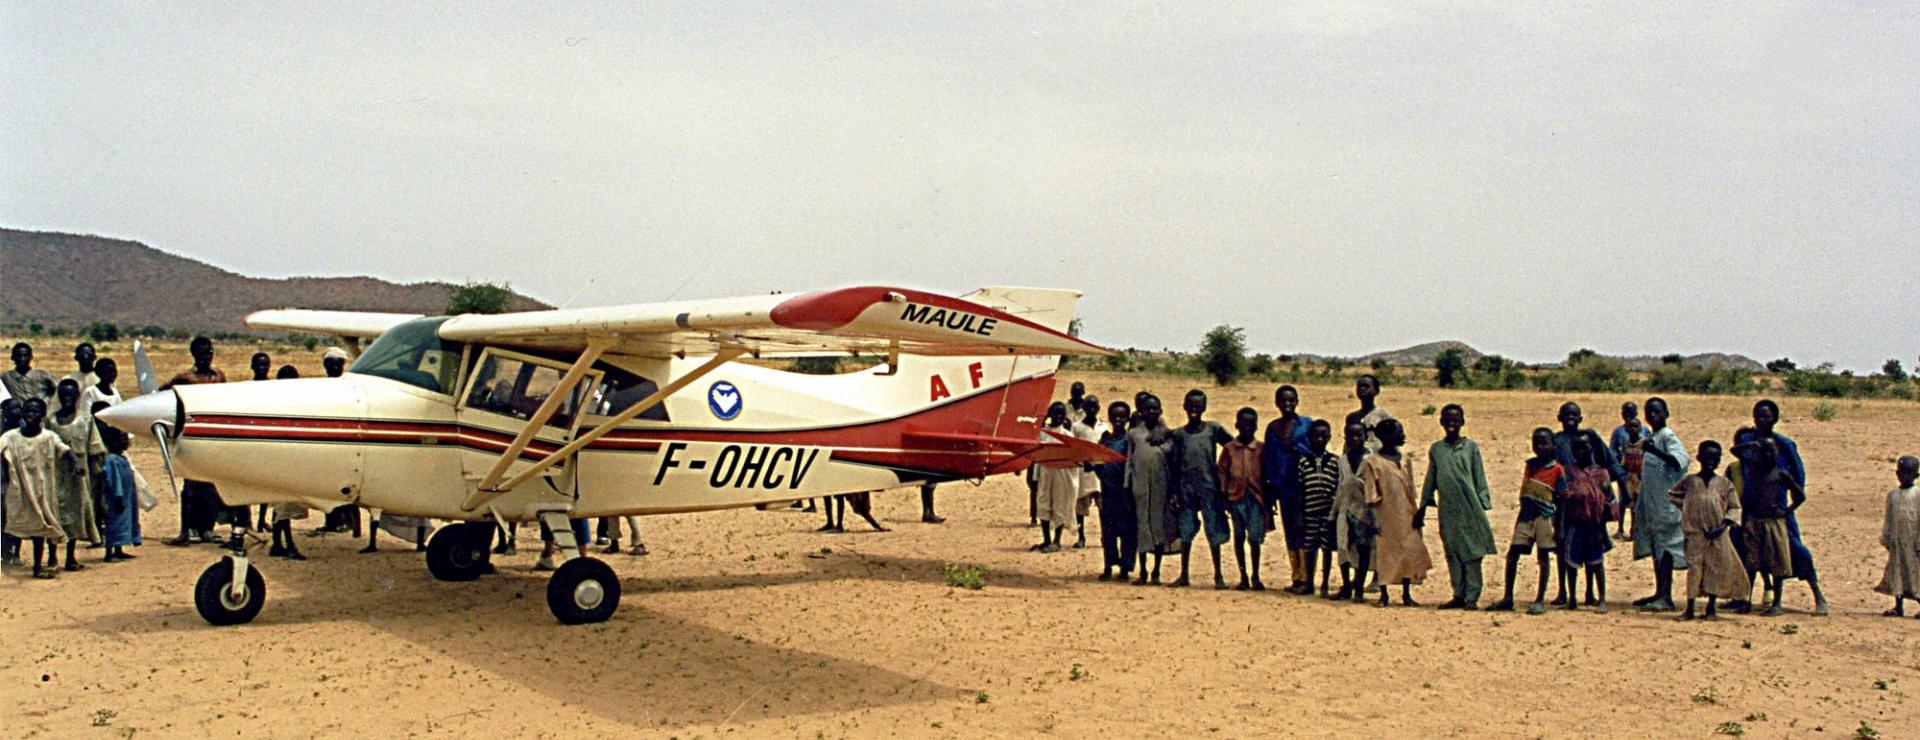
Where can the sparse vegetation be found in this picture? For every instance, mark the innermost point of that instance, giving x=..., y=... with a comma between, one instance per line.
x=970, y=577
x=1824, y=411
x=1865, y=731
x=1706, y=695
x=1730, y=728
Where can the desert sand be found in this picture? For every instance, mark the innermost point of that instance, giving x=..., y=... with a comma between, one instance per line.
x=750, y=623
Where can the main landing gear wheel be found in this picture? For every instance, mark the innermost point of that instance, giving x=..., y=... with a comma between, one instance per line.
x=216, y=600
x=583, y=591
x=458, y=552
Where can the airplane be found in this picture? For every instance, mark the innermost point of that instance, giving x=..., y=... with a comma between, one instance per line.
x=655, y=408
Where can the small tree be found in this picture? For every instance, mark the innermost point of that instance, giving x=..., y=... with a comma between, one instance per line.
x=1893, y=371
x=1782, y=365
x=102, y=331
x=1574, y=357
x=1672, y=359
x=479, y=298
x=1224, y=353
x=1448, y=364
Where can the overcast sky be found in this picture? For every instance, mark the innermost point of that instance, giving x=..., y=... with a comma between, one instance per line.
x=1636, y=179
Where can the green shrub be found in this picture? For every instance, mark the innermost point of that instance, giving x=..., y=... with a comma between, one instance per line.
x=1824, y=411
x=970, y=577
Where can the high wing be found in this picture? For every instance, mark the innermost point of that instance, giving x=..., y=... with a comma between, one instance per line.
x=355, y=324
x=867, y=320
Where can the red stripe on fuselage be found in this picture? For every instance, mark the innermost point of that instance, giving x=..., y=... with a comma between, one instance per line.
x=878, y=442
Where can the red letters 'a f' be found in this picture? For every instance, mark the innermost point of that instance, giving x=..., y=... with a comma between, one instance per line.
x=976, y=372
x=940, y=389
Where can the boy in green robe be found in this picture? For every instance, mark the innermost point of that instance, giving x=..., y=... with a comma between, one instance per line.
x=1456, y=473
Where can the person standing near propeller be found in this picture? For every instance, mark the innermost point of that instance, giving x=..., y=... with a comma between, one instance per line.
x=199, y=500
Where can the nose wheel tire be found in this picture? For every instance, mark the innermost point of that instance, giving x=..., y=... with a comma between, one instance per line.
x=216, y=601
x=583, y=591
x=455, y=553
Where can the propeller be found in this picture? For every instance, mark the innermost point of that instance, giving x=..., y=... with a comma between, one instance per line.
x=143, y=369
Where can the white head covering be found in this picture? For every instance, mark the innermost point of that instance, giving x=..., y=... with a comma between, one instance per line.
x=333, y=353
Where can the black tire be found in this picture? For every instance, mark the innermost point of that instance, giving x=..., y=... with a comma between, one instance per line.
x=454, y=554
x=583, y=591
x=216, y=605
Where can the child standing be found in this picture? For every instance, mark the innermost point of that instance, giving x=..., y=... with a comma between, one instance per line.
x=1401, y=555
x=1149, y=477
x=1626, y=444
x=1059, y=484
x=1240, y=481
x=1116, y=502
x=1456, y=473
x=1541, y=487
x=1900, y=534
x=1769, y=494
x=119, y=493
x=1320, y=476
x=1585, y=510
x=1708, y=509
x=32, y=456
x=74, y=483
x=1353, y=523
x=1194, y=455
x=1657, y=532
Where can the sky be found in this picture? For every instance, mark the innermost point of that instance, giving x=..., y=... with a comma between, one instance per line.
x=1336, y=179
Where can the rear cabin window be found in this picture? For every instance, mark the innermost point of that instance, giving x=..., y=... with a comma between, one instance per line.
x=511, y=386
x=621, y=390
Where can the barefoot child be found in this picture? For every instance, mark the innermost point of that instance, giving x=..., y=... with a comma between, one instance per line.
x=1656, y=519
x=1059, y=484
x=1353, y=523
x=1117, y=527
x=1194, y=455
x=119, y=494
x=1541, y=486
x=1400, y=554
x=1149, y=478
x=33, y=456
x=74, y=483
x=1768, y=496
x=1708, y=510
x=1320, y=476
x=1457, y=483
x=1090, y=429
x=1900, y=534
x=1766, y=414
x=1240, y=481
x=1585, y=511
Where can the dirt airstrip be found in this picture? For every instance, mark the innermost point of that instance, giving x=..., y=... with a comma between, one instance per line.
x=750, y=623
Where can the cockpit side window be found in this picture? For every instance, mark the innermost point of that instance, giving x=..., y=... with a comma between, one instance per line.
x=413, y=353
x=516, y=387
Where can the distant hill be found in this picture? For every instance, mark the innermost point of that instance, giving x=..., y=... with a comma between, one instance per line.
x=71, y=280
x=1422, y=355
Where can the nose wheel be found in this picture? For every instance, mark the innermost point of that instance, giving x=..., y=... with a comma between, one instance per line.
x=224, y=600
x=583, y=591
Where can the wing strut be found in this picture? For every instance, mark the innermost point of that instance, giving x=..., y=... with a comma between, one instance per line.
x=547, y=409
x=725, y=355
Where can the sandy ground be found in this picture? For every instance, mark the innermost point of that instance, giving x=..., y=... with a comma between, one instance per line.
x=751, y=623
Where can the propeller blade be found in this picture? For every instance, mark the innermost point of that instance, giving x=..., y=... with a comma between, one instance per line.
x=143, y=369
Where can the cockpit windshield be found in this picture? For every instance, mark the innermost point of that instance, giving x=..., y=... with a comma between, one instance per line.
x=413, y=353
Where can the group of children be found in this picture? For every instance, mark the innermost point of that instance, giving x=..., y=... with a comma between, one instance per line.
x=63, y=479
x=1363, y=508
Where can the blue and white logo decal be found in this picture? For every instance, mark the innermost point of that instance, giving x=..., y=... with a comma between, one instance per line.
x=724, y=400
